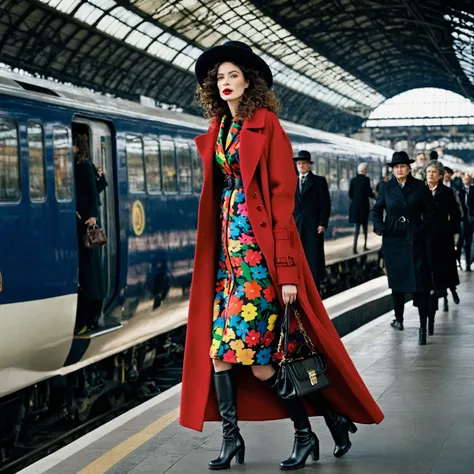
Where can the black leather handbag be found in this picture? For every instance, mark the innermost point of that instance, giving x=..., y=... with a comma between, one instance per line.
x=304, y=372
x=94, y=237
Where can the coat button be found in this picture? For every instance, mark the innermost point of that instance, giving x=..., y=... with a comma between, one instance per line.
x=260, y=207
x=263, y=224
x=254, y=195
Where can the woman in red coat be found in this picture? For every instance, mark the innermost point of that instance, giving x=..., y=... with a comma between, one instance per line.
x=248, y=264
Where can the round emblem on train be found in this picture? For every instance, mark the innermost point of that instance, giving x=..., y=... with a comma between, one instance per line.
x=138, y=218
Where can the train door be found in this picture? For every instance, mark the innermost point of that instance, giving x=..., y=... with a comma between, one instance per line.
x=100, y=144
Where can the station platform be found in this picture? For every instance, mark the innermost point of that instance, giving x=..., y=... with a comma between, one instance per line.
x=426, y=393
x=341, y=249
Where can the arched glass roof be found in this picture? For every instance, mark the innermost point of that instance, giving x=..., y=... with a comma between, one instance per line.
x=333, y=61
x=419, y=107
x=200, y=24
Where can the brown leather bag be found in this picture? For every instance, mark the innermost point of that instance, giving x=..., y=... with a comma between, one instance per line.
x=94, y=237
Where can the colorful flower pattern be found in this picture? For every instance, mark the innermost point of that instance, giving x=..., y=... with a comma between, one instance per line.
x=246, y=306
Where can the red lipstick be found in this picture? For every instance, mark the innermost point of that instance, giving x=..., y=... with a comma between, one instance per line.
x=227, y=91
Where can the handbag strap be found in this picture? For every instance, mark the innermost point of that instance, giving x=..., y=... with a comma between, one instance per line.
x=284, y=333
x=283, y=341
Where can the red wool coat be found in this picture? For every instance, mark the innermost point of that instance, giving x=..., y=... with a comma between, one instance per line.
x=270, y=182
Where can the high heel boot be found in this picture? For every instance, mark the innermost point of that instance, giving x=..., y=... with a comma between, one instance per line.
x=306, y=442
x=232, y=444
x=339, y=425
x=431, y=321
x=455, y=295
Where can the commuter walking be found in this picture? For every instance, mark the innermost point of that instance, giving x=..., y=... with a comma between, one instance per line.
x=407, y=205
x=311, y=213
x=445, y=227
x=360, y=192
x=448, y=182
x=419, y=167
x=466, y=196
x=246, y=231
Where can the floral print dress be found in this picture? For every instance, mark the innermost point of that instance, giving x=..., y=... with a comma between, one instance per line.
x=246, y=306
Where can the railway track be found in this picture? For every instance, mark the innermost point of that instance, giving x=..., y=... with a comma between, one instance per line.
x=44, y=442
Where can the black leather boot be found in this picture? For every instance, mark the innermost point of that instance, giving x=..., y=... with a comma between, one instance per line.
x=445, y=304
x=422, y=337
x=306, y=442
x=232, y=444
x=431, y=321
x=339, y=425
x=455, y=295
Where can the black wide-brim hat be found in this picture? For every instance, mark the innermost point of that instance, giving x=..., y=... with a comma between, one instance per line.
x=400, y=158
x=303, y=155
x=232, y=51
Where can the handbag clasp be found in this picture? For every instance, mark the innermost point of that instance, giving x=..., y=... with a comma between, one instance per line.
x=313, y=378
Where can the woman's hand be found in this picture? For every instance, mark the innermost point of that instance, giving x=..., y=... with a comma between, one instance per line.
x=288, y=293
x=91, y=221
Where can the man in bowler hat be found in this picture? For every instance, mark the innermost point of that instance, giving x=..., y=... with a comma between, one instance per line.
x=312, y=210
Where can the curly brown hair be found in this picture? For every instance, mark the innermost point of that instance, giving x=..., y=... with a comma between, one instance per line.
x=257, y=95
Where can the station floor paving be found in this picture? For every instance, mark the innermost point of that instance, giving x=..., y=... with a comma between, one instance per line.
x=426, y=393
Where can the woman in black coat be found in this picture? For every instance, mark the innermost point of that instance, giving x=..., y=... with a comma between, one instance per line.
x=408, y=205
x=442, y=253
x=91, y=282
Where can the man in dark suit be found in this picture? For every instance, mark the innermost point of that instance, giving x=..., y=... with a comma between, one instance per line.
x=466, y=196
x=312, y=210
x=359, y=193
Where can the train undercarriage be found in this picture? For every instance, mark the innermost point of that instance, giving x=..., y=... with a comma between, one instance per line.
x=37, y=414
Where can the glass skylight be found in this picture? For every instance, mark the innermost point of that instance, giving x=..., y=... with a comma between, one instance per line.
x=462, y=24
x=294, y=64
x=426, y=106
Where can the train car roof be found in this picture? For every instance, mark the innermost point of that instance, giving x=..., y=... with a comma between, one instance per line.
x=52, y=92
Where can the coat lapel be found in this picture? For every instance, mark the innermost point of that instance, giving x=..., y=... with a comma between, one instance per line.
x=252, y=143
x=206, y=145
x=309, y=182
x=395, y=188
x=408, y=188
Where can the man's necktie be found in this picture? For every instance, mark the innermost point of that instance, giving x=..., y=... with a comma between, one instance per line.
x=302, y=178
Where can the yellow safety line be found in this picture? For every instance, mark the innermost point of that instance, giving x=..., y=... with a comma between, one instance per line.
x=112, y=457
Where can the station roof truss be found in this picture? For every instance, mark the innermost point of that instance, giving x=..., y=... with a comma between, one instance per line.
x=391, y=46
x=333, y=61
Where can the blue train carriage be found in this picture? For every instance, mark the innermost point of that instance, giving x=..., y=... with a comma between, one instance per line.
x=149, y=212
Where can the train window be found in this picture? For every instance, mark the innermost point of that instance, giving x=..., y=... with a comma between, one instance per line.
x=352, y=170
x=321, y=167
x=62, y=164
x=135, y=170
x=37, y=171
x=197, y=169
x=332, y=175
x=168, y=165
x=184, y=167
x=344, y=175
x=153, y=166
x=9, y=162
